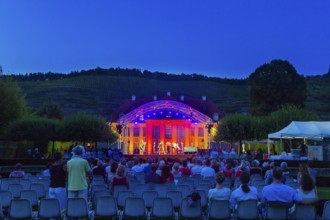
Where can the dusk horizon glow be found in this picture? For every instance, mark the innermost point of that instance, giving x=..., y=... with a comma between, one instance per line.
x=212, y=38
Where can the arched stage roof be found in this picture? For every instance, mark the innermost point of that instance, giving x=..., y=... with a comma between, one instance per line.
x=167, y=109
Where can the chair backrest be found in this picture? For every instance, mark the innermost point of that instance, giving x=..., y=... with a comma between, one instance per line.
x=31, y=195
x=122, y=195
x=49, y=208
x=277, y=210
x=219, y=209
x=15, y=189
x=6, y=196
x=99, y=193
x=140, y=188
x=77, y=208
x=188, y=182
x=185, y=189
x=134, y=207
x=98, y=187
x=247, y=209
x=176, y=197
x=105, y=206
x=326, y=211
x=6, y=181
x=203, y=196
x=161, y=189
x=25, y=183
x=20, y=208
x=148, y=197
x=39, y=188
x=117, y=189
x=45, y=182
x=189, y=211
x=303, y=212
x=162, y=208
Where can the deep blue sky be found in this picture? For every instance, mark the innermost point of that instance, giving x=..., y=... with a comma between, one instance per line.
x=211, y=37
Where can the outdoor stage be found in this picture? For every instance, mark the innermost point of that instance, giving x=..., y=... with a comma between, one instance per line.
x=162, y=156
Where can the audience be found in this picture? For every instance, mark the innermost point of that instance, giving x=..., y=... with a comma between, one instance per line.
x=152, y=177
x=176, y=172
x=207, y=171
x=166, y=176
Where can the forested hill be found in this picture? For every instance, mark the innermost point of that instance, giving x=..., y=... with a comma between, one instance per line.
x=102, y=91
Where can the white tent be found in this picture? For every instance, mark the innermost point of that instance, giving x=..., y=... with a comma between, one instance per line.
x=303, y=129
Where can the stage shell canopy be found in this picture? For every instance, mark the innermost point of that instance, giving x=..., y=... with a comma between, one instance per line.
x=170, y=109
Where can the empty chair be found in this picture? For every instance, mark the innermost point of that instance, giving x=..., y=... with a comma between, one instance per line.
x=20, y=209
x=45, y=182
x=277, y=210
x=33, y=179
x=148, y=197
x=162, y=208
x=25, y=183
x=188, y=211
x=39, y=188
x=98, y=182
x=99, y=193
x=49, y=209
x=188, y=182
x=247, y=209
x=185, y=190
x=32, y=196
x=122, y=195
x=161, y=189
x=307, y=212
x=117, y=189
x=204, y=187
x=6, y=196
x=98, y=187
x=77, y=208
x=176, y=197
x=257, y=182
x=134, y=208
x=140, y=188
x=105, y=207
x=15, y=189
x=5, y=182
x=326, y=211
x=219, y=209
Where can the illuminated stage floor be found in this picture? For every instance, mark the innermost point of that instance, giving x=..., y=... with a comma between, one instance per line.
x=162, y=156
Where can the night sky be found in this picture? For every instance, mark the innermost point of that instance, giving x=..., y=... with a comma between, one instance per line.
x=210, y=37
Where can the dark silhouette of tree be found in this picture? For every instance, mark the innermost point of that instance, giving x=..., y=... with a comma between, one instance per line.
x=12, y=103
x=275, y=84
x=51, y=110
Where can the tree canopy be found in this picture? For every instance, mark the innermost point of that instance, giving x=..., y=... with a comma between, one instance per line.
x=275, y=84
x=12, y=103
x=51, y=109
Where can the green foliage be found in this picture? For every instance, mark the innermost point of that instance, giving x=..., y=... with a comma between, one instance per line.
x=38, y=130
x=51, y=109
x=12, y=103
x=239, y=127
x=275, y=84
x=85, y=127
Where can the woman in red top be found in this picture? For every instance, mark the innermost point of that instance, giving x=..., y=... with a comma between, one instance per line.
x=166, y=176
x=120, y=178
x=184, y=169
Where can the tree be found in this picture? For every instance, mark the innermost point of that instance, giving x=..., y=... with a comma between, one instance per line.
x=85, y=127
x=237, y=127
x=275, y=84
x=12, y=103
x=51, y=109
x=38, y=130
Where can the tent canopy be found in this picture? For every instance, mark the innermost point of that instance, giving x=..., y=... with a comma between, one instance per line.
x=303, y=129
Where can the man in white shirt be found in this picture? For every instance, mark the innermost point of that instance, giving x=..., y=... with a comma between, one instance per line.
x=197, y=168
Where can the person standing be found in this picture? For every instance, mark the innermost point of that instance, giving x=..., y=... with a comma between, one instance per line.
x=58, y=174
x=78, y=172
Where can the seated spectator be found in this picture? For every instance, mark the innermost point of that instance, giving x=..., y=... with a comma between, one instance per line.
x=18, y=172
x=130, y=172
x=197, y=168
x=255, y=169
x=112, y=172
x=176, y=172
x=152, y=177
x=207, y=171
x=278, y=192
x=215, y=165
x=244, y=192
x=219, y=192
x=137, y=166
x=99, y=170
x=184, y=169
x=307, y=189
x=166, y=176
x=284, y=167
x=45, y=172
x=120, y=178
